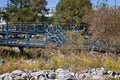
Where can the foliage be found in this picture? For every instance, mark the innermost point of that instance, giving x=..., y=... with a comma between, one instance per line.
x=72, y=10
x=104, y=23
x=25, y=10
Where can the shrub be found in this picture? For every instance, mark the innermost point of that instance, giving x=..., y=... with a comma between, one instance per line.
x=104, y=23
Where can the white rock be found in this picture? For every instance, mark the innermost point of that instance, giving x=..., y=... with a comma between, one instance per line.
x=51, y=75
x=25, y=75
x=63, y=71
x=96, y=77
x=17, y=72
x=3, y=75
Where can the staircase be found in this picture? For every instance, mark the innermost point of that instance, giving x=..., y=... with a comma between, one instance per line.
x=55, y=36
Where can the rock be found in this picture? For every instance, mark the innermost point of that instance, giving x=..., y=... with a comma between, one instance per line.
x=63, y=71
x=25, y=75
x=3, y=75
x=36, y=70
x=118, y=75
x=6, y=76
x=83, y=76
x=98, y=71
x=63, y=74
x=31, y=78
x=97, y=77
x=0, y=77
x=114, y=74
x=41, y=78
x=9, y=77
x=18, y=78
x=110, y=72
x=2, y=61
x=27, y=71
x=17, y=73
x=94, y=73
x=36, y=75
x=51, y=75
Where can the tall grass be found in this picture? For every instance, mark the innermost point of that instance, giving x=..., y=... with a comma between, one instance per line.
x=81, y=60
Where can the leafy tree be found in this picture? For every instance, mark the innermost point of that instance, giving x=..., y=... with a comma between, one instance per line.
x=72, y=10
x=25, y=10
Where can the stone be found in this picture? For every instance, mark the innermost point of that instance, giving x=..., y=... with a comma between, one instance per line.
x=41, y=78
x=27, y=71
x=83, y=76
x=31, y=78
x=2, y=61
x=36, y=70
x=61, y=74
x=0, y=77
x=118, y=73
x=114, y=74
x=8, y=77
x=18, y=78
x=17, y=73
x=60, y=70
x=25, y=75
x=96, y=77
x=65, y=74
x=98, y=71
x=110, y=72
x=5, y=76
x=51, y=75
x=37, y=74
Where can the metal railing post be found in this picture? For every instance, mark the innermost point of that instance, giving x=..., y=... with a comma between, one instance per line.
x=7, y=34
x=27, y=39
x=46, y=35
x=35, y=28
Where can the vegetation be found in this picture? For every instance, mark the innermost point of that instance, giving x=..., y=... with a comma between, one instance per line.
x=72, y=10
x=104, y=22
x=69, y=55
x=55, y=60
x=25, y=10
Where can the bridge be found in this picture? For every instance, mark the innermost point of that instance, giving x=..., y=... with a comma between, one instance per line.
x=39, y=35
x=30, y=35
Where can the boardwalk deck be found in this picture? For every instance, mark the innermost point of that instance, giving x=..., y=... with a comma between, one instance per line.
x=20, y=35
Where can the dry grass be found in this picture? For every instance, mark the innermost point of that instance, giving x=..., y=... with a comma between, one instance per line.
x=104, y=23
x=81, y=60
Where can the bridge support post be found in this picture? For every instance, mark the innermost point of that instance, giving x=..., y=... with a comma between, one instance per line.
x=21, y=50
